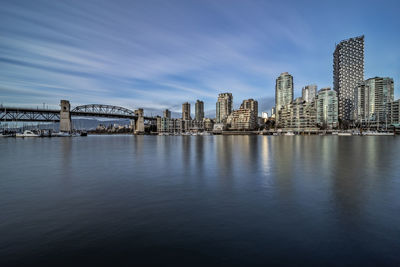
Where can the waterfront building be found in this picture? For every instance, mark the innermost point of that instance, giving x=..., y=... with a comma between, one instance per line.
x=283, y=90
x=167, y=114
x=168, y=125
x=327, y=108
x=309, y=92
x=186, y=111
x=348, y=72
x=224, y=107
x=371, y=101
x=199, y=110
x=208, y=124
x=393, y=112
x=298, y=115
x=246, y=117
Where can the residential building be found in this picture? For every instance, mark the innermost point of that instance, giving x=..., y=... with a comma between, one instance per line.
x=393, y=112
x=327, y=108
x=371, y=101
x=186, y=111
x=224, y=107
x=199, y=110
x=246, y=117
x=168, y=125
x=208, y=124
x=348, y=72
x=283, y=90
x=309, y=92
x=167, y=114
x=298, y=115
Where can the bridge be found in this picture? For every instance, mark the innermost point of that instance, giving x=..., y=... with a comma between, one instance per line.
x=64, y=114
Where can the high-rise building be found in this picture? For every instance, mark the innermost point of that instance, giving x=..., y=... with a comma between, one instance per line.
x=348, y=71
x=372, y=99
x=167, y=114
x=186, y=111
x=309, y=92
x=283, y=90
x=223, y=107
x=327, y=108
x=199, y=110
x=394, y=112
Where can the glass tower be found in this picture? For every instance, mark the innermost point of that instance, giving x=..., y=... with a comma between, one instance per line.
x=348, y=72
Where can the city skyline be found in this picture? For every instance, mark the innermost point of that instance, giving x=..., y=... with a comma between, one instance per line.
x=65, y=55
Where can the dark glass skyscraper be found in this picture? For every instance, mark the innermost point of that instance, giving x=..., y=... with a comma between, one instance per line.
x=348, y=72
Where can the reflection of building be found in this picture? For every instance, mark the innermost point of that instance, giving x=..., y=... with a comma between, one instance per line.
x=186, y=111
x=393, y=112
x=199, y=110
x=348, y=71
x=309, y=92
x=223, y=107
x=372, y=99
x=327, y=108
x=298, y=115
x=283, y=90
x=245, y=118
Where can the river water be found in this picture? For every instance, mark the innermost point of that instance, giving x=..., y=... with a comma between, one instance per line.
x=200, y=200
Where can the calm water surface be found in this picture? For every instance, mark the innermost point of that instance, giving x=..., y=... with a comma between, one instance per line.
x=200, y=200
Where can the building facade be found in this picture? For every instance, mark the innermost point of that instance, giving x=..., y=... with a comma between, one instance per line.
x=326, y=103
x=298, y=115
x=167, y=114
x=309, y=92
x=199, y=110
x=393, y=111
x=186, y=111
x=348, y=72
x=283, y=90
x=371, y=101
x=224, y=107
x=246, y=117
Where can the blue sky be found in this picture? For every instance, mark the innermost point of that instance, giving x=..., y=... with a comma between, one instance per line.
x=159, y=54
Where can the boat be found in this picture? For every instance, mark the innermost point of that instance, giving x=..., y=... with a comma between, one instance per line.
x=344, y=134
x=27, y=133
x=83, y=133
x=335, y=133
x=61, y=134
x=370, y=133
x=289, y=134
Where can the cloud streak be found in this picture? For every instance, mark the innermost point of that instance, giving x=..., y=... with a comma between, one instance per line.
x=158, y=54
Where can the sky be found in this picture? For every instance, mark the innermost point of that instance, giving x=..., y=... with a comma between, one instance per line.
x=159, y=54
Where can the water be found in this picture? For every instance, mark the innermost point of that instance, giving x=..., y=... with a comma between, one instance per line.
x=200, y=200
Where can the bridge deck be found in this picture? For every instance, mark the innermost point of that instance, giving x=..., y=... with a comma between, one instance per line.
x=52, y=115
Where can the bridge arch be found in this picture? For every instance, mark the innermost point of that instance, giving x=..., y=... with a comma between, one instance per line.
x=104, y=109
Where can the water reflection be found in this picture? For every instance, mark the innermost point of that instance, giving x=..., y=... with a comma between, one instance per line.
x=244, y=199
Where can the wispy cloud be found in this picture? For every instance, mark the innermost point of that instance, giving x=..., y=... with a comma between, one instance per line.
x=158, y=54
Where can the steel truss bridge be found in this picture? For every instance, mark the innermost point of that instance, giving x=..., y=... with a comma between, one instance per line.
x=52, y=115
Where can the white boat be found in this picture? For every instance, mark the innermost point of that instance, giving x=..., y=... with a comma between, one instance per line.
x=61, y=134
x=335, y=133
x=369, y=133
x=289, y=134
x=27, y=133
x=344, y=134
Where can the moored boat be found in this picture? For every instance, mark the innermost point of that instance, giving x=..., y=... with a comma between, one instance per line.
x=27, y=133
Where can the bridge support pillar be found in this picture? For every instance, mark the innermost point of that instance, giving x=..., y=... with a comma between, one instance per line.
x=65, y=117
x=139, y=124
